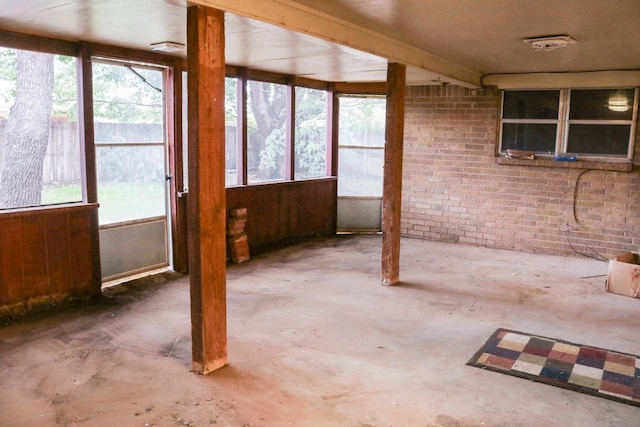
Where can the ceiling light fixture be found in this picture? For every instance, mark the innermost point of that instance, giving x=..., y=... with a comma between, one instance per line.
x=167, y=47
x=549, y=42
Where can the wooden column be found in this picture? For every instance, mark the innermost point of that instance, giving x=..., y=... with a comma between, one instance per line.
x=84, y=70
x=206, y=202
x=392, y=190
x=333, y=107
x=176, y=166
x=242, y=133
x=289, y=153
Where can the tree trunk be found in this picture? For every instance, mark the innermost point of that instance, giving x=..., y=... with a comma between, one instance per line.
x=267, y=105
x=27, y=131
x=268, y=102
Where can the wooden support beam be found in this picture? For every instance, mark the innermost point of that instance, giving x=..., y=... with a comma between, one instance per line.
x=392, y=190
x=177, y=198
x=206, y=204
x=373, y=88
x=84, y=71
x=84, y=74
x=242, y=135
x=333, y=131
x=289, y=153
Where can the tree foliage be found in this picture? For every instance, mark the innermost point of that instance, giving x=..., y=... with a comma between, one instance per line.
x=121, y=96
x=65, y=91
x=267, y=131
x=362, y=121
x=311, y=133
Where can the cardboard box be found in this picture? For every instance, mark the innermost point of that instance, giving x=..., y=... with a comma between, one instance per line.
x=623, y=277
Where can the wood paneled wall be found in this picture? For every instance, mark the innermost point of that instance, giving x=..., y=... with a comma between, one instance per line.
x=48, y=255
x=283, y=213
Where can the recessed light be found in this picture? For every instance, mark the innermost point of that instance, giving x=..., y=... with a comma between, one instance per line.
x=167, y=47
x=549, y=42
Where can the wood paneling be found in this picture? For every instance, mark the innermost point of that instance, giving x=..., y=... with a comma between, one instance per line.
x=282, y=213
x=34, y=246
x=39, y=44
x=49, y=252
x=58, y=244
x=84, y=253
x=377, y=88
x=11, y=262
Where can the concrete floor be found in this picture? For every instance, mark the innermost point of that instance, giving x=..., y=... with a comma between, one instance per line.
x=314, y=340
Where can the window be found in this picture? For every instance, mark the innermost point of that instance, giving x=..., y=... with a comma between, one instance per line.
x=267, y=122
x=361, y=146
x=129, y=138
x=232, y=136
x=39, y=135
x=310, y=133
x=600, y=122
x=185, y=133
x=589, y=122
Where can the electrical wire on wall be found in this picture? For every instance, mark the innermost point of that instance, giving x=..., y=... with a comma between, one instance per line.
x=596, y=255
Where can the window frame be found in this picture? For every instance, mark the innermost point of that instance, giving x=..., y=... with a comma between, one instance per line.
x=563, y=125
x=55, y=48
x=243, y=76
x=295, y=127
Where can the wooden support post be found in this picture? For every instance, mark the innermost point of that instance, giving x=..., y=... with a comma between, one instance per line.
x=88, y=152
x=333, y=132
x=206, y=203
x=176, y=166
x=242, y=133
x=289, y=153
x=392, y=190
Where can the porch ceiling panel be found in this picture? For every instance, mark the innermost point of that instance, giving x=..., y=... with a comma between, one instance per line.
x=456, y=41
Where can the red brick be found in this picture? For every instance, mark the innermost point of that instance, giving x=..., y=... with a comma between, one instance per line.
x=451, y=176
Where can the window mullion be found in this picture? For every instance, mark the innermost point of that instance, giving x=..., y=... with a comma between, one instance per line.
x=563, y=121
x=634, y=123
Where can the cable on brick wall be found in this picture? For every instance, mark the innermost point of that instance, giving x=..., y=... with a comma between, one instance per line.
x=597, y=255
x=575, y=193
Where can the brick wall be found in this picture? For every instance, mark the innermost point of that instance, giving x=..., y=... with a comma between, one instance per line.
x=453, y=189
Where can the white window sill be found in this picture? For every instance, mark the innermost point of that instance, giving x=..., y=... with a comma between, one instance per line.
x=619, y=166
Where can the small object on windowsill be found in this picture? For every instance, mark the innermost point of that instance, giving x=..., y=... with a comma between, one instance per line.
x=566, y=157
x=521, y=154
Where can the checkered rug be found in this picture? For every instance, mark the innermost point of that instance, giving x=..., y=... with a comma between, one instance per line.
x=590, y=370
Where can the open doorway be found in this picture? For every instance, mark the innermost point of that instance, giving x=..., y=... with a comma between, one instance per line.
x=360, y=163
x=131, y=158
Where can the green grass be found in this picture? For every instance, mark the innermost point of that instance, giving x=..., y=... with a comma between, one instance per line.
x=118, y=201
x=52, y=194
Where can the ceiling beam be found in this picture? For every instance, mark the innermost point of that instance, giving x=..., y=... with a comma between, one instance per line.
x=293, y=16
x=587, y=79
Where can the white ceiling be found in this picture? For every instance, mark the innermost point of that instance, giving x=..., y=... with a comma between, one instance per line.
x=352, y=40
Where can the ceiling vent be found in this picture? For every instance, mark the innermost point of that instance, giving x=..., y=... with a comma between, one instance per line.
x=167, y=47
x=549, y=42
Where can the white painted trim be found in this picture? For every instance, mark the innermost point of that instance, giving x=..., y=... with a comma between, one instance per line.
x=591, y=79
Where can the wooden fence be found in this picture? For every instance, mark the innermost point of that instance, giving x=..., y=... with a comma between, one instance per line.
x=63, y=158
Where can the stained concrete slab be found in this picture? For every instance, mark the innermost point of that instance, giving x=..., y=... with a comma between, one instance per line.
x=315, y=340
